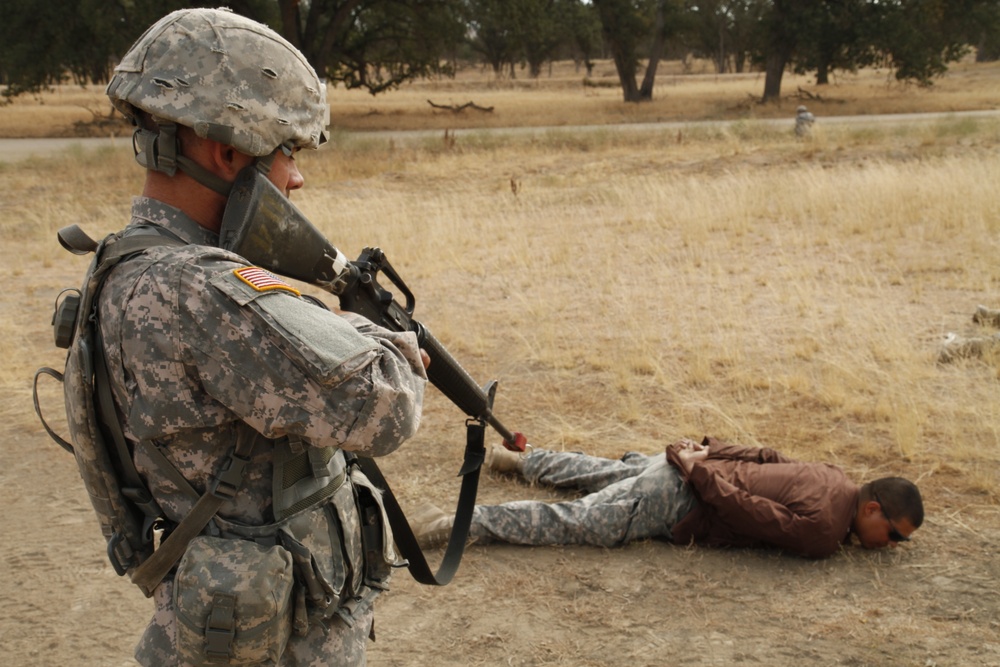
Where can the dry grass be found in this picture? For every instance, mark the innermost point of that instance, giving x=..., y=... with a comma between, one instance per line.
x=627, y=288
x=562, y=97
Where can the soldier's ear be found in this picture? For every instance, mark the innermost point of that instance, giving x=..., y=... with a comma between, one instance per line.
x=225, y=160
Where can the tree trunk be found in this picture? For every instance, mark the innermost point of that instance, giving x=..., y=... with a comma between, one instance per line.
x=626, y=75
x=774, y=69
x=720, y=56
x=822, y=75
x=655, y=53
x=290, y=26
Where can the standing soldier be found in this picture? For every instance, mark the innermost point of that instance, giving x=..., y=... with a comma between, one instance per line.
x=803, y=122
x=217, y=367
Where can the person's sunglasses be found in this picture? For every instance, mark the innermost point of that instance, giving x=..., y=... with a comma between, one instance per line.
x=894, y=535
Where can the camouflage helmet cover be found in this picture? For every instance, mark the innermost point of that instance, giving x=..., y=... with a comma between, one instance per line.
x=225, y=76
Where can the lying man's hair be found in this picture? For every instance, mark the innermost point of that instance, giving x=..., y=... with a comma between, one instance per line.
x=900, y=498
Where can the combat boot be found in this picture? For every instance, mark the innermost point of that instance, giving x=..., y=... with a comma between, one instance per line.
x=431, y=526
x=502, y=460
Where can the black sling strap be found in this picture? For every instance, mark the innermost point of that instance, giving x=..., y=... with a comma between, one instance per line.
x=149, y=574
x=475, y=454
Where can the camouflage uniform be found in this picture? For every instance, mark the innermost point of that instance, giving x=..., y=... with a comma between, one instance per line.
x=635, y=498
x=204, y=352
x=803, y=122
x=198, y=355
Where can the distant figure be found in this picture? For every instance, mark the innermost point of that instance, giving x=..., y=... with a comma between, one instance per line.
x=803, y=122
x=982, y=346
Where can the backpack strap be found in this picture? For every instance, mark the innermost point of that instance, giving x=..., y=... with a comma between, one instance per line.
x=148, y=574
x=132, y=487
x=420, y=570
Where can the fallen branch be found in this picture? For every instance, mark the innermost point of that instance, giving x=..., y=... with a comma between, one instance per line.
x=805, y=94
x=459, y=108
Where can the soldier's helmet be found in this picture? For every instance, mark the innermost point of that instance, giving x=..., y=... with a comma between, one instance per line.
x=225, y=76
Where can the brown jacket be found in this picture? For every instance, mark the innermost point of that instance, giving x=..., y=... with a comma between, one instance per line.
x=750, y=496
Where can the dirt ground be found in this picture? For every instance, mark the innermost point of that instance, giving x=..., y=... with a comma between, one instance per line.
x=933, y=602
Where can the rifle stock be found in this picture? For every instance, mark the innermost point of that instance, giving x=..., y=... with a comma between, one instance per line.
x=263, y=226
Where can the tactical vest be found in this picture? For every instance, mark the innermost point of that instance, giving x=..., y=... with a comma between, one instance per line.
x=328, y=515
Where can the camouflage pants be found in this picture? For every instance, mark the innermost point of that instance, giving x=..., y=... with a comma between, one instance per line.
x=635, y=498
x=331, y=645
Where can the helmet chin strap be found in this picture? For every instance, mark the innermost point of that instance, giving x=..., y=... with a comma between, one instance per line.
x=160, y=151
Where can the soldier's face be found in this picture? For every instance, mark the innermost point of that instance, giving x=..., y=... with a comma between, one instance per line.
x=285, y=173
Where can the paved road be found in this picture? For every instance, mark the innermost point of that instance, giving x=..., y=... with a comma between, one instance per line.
x=12, y=150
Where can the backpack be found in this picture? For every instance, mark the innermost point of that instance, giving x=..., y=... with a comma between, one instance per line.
x=126, y=510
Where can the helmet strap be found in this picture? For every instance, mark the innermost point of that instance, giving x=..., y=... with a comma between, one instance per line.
x=156, y=151
x=160, y=151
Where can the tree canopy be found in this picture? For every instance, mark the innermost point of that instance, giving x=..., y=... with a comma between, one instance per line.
x=379, y=44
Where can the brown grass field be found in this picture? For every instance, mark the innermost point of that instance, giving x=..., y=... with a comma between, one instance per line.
x=626, y=289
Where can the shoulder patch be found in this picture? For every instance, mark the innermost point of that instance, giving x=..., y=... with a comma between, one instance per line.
x=263, y=281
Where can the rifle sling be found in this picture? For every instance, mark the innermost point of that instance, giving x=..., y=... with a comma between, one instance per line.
x=148, y=575
x=475, y=454
x=151, y=572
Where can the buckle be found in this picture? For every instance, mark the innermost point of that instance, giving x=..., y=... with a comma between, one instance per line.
x=220, y=627
x=230, y=479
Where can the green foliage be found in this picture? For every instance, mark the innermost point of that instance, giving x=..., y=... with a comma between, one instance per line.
x=917, y=38
x=637, y=29
x=920, y=37
x=379, y=44
x=507, y=32
x=392, y=41
x=50, y=42
x=723, y=30
x=375, y=44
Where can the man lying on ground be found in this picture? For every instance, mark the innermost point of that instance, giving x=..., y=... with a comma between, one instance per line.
x=711, y=493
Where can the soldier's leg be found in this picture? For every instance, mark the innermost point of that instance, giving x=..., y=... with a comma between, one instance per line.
x=337, y=644
x=664, y=499
x=637, y=507
x=574, y=470
x=539, y=523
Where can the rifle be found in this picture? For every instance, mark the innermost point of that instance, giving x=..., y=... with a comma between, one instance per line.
x=263, y=226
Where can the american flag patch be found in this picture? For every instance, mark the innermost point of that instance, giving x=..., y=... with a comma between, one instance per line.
x=262, y=280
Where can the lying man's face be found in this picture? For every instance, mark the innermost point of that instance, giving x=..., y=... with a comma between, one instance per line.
x=875, y=530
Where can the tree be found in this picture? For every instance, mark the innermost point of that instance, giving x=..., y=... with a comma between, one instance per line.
x=637, y=29
x=508, y=32
x=917, y=38
x=722, y=30
x=46, y=43
x=542, y=26
x=985, y=33
x=493, y=33
x=584, y=33
x=920, y=37
x=372, y=44
x=835, y=38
